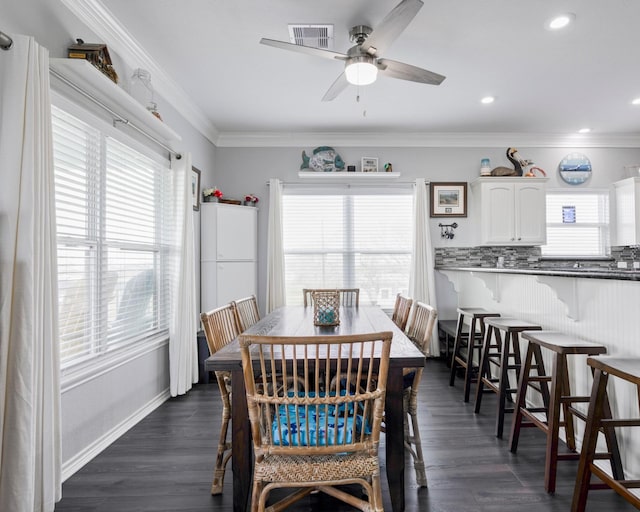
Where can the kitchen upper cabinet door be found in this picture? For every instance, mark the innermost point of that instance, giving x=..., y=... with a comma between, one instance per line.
x=236, y=228
x=497, y=213
x=531, y=215
x=512, y=210
x=627, y=209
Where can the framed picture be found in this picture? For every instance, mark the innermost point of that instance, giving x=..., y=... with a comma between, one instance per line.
x=369, y=164
x=195, y=188
x=448, y=199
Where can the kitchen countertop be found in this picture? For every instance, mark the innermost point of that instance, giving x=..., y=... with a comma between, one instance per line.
x=581, y=272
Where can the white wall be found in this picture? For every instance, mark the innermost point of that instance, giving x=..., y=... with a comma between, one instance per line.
x=244, y=170
x=99, y=406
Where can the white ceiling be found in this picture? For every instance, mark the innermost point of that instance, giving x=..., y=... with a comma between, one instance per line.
x=544, y=82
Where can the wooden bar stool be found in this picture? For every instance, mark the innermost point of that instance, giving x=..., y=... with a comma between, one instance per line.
x=504, y=355
x=471, y=341
x=447, y=332
x=599, y=419
x=553, y=397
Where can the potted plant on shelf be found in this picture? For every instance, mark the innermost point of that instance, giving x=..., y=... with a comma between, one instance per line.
x=250, y=200
x=211, y=195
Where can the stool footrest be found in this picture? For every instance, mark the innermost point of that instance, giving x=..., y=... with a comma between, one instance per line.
x=620, y=486
x=602, y=456
x=620, y=423
x=535, y=422
x=577, y=413
x=574, y=399
x=533, y=409
x=568, y=456
x=539, y=378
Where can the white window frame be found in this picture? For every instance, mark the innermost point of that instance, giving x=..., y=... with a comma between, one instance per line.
x=349, y=254
x=106, y=355
x=603, y=227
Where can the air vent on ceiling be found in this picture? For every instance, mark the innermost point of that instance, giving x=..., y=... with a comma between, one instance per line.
x=318, y=36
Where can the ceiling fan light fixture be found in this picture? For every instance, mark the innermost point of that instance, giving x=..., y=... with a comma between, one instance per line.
x=361, y=70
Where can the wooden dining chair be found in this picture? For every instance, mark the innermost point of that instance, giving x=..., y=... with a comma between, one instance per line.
x=419, y=331
x=401, y=311
x=308, y=439
x=247, y=312
x=220, y=328
x=349, y=297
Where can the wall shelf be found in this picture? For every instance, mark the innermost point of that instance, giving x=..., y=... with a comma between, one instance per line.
x=84, y=75
x=343, y=175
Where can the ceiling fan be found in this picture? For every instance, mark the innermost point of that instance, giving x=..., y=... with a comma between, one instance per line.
x=363, y=61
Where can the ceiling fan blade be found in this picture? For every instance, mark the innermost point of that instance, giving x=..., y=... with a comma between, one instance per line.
x=309, y=50
x=336, y=88
x=391, y=26
x=395, y=69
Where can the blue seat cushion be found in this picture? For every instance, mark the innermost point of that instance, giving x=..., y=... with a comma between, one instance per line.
x=325, y=425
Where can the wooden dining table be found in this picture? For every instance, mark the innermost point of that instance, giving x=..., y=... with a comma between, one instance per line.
x=298, y=321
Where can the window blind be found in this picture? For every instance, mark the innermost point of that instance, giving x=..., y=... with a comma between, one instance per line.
x=353, y=239
x=577, y=224
x=112, y=273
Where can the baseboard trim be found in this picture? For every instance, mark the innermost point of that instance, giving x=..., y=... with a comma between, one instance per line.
x=79, y=460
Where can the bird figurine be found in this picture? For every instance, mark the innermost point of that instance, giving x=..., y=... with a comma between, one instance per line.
x=517, y=161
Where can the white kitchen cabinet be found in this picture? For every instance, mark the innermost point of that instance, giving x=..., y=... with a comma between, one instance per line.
x=512, y=211
x=627, y=208
x=228, y=253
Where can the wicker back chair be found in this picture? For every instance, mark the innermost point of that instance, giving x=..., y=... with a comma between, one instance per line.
x=305, y=437
x=419, y=331
x=247, y=312
x=349, y=297
x=221, y=327
x=401, y=311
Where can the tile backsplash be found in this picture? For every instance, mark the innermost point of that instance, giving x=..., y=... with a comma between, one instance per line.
x=486, y=256
x=526, y=257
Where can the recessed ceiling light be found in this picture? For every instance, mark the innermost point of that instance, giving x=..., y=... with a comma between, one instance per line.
x=560, y=21
x=487, y=99
x=636, y=101
x=584, y=130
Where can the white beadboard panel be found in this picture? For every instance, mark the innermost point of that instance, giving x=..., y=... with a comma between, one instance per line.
x=605, y=311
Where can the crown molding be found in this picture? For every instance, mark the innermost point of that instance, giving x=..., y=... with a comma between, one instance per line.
x=100, y=20
x=106, y=26
x=426, y=140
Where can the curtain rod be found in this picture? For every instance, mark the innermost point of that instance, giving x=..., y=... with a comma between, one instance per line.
x=5, y=41
x=117, y=117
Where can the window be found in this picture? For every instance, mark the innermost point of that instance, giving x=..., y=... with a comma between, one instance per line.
x=577, y=224
x=349, y=239
x=112, y=264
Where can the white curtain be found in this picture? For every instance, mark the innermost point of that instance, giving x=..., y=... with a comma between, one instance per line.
x=30, y=458
x=183, y=346
x=275, y=250
x=421, y=282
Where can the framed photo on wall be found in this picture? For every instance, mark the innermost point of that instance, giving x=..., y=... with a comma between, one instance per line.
x=369, y=164
x=448, y=199
x=195, y=188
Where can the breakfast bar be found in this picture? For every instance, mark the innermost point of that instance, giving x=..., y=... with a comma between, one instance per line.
x=597, y=305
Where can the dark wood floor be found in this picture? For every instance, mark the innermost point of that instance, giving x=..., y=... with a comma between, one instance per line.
x=165, y=463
